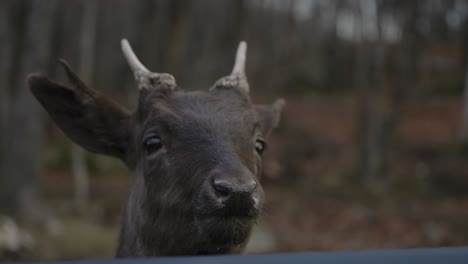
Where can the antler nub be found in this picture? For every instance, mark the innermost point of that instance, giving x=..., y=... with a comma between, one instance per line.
x=132, y=59
x=241, y=56
x=237, y=78
x=145, y=78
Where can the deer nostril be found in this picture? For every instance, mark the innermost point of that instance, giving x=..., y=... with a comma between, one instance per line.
x=223, y=188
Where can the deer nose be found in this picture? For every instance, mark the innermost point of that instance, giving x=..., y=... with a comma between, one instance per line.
x=232, y=190
x=226, y=190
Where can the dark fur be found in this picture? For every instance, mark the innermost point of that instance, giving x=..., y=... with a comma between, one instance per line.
x=170, y=208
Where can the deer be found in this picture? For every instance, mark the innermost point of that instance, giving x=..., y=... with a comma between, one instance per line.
x=194, y=157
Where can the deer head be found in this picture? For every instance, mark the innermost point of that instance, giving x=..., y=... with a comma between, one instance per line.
x=195, y=157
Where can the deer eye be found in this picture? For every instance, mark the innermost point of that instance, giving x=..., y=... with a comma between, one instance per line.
x=152, y=144
x=260, y=146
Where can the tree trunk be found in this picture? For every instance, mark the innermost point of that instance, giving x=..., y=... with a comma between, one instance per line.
x=464, y=115
x=176, y=38
x=5, y=51
x=20, y=194
x=407, y=63
x=464, y=118
x=86, y=69
x=370, y=71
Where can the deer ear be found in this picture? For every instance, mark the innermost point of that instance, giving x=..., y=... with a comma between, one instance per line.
x=269, y=115
x=88, y=117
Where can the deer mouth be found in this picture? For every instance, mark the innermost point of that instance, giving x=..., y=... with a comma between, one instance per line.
x=225, y=223
x=224, y=234
x=228, y=219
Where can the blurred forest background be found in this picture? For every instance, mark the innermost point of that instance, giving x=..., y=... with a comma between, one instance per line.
x=372, y=150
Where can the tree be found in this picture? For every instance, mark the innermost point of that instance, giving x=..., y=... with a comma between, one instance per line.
x=464, y=116
x=5, y=55
x=86, y=69
x=24, y=133
x=369, y=82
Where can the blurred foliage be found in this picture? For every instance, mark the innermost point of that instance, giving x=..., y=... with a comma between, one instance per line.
x=453, y=88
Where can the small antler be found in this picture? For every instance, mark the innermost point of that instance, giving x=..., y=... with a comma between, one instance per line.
x=237, y=79
x=145, y=78
x=241, y=56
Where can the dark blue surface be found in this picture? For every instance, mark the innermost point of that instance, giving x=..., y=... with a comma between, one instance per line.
x=400, y=256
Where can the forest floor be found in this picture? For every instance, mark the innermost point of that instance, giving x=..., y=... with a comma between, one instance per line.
x=314, y=201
